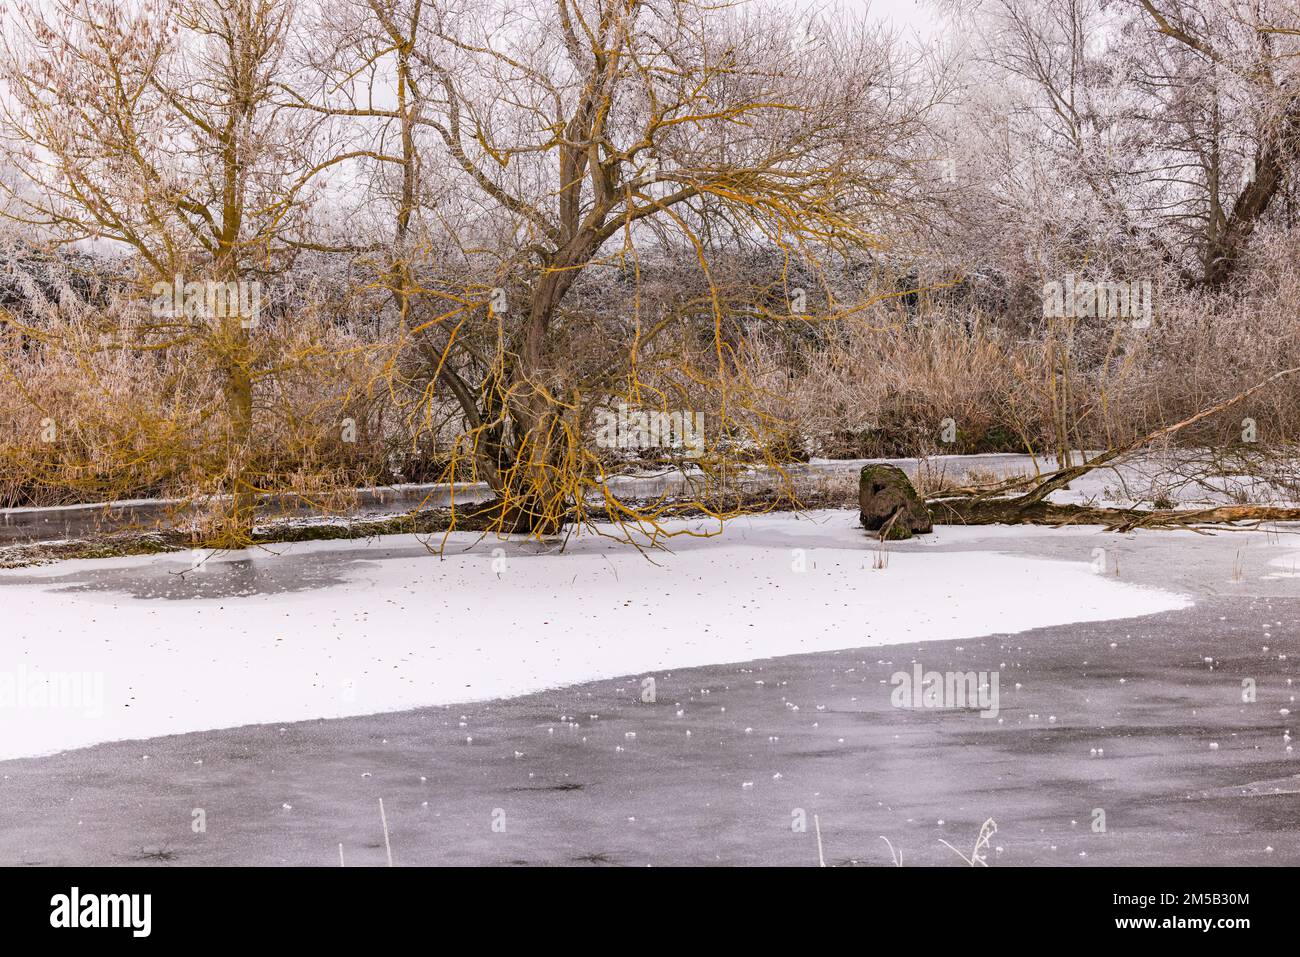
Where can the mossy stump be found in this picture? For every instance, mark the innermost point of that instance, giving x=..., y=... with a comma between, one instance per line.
x=888, y=503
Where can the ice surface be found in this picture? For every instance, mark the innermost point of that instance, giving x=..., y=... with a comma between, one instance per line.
x=328, y=629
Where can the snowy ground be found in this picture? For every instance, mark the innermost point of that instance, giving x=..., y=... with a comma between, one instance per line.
x=137, y=647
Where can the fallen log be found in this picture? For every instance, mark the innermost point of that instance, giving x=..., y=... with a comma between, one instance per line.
x=991, y=505
x=966, y=511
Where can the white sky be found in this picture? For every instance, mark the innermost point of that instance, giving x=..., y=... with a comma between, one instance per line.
x=909, y=16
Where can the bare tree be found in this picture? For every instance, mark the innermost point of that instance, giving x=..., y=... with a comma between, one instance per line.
x=586, y=137
x=158, y=129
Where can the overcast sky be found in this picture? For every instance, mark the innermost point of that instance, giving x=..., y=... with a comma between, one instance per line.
x=918, y=16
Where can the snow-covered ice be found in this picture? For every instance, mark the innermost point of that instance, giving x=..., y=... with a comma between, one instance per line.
x=330, y=629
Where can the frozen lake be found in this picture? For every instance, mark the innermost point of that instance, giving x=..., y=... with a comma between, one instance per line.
x=138, y=647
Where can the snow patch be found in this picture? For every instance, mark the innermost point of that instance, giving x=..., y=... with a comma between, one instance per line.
x=333, y=629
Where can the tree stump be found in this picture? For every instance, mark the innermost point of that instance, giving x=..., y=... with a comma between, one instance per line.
x=887, y=503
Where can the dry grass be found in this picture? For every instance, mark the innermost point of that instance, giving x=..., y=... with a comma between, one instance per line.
x=884, y=388
x=83, y=421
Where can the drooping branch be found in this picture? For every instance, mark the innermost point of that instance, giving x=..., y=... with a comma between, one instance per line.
x=989, y=505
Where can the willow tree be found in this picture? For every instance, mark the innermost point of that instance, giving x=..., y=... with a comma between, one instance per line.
x=582, y=146
x=156, y=130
